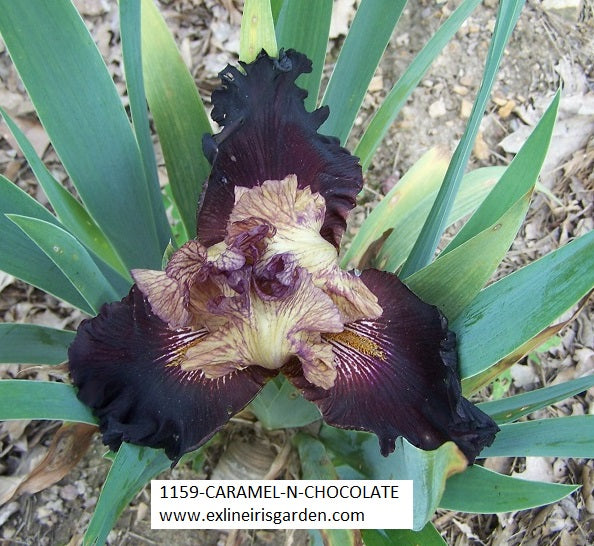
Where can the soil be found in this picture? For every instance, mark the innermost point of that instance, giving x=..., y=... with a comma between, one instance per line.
x=549, y=47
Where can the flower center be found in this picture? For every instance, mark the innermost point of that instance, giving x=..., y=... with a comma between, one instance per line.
x=271, y=291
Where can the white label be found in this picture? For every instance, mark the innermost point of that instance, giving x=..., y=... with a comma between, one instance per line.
x=282, y=504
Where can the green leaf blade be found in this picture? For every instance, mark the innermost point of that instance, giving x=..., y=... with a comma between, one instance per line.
x=64, y=75
x=178, y=112
x=519, y=177
x=357, y=63
x=428, y=536
x=21, y=257
x=257, y=31
x=130, y=33
x=71, y=258
x=132, y=468
x=482, y=491
x=279, y=405
x=33, y=344
x=72, y=215
x=407, y=83
x=316, y=465
x=304, y=26
x=513, y=310
x=44, y=400
x=356, y=455
x=560, y=437
x=512, y=408
x=453, y=280
x=424, y=248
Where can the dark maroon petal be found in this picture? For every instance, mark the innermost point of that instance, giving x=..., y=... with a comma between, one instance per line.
x=268, y=135
x=123, y=364
x=397, y=377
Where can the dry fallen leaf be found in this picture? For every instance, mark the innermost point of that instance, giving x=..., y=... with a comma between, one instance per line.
x=69, y=444
x=538, y=469
x=343, y=12
x=481, y=148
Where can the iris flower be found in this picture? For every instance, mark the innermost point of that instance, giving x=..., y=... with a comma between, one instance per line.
x=259, y=292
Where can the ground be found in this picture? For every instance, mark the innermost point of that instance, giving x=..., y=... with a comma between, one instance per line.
x=549, y=47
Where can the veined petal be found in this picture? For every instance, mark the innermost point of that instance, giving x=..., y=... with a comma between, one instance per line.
x=267, y=134
x=396, y=376
x=165, y=296
x=269, y=331
x=297, y=216
x=168, y=291
x=124, y=363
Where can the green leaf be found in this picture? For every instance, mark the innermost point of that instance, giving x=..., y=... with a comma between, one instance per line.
x=508, y=313
x=482, y=491
x=519, y=177
x=257, y=31
x=130, y=32
x=280, y=405
x=304, y=26
x=477, y=382
x=422, y=253
x=407, y=83
x=178, y=113
x=80, y=109
x=561, y=437
x=359, y=452
x=512, y=408
x=71, y=258
x=21, y=257
x=72, y=215
x=315, y=462
x=33, y=344
x=132, y=468
x=275, y=7
x=453, y=280
x=47, y=400
x=399, y=210
x=407, y=205
x=177, y=227
x=428, y=536
x=316, y=465
x=473, y=189
x=358, y=59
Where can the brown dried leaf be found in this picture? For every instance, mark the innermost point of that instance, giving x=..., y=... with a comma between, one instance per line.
x=14, y=429
x=343, y=13
x=588, y=488
x=69, y=444
x=8, y=487
x=481, y=148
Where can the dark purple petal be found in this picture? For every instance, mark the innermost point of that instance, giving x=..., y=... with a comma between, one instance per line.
x=268, y=135
x=397, y=377
x=124, y=364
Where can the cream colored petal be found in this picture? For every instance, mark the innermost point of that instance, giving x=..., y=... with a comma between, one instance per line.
x=164, y=295
x=297, y=215
x=186, y=263
x=317, y=359
x=354, y=300
x=269, y=332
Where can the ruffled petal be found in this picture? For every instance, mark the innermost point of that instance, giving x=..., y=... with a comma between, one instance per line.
x=168, y=291
x=269, y=331
x=396, y=376
x=297, y=216
x=165, y=296
x=268, y=135
x=125, y=364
